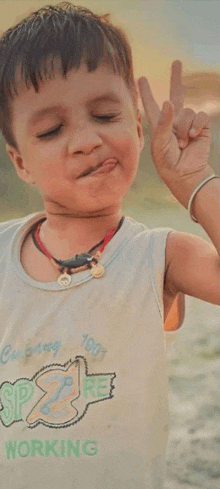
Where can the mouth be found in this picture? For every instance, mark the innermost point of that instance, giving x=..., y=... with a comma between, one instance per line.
x=105, y=167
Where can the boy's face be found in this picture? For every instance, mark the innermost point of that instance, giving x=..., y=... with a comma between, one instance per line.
x=81, y=136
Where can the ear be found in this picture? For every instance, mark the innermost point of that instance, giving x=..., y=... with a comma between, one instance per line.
x=19, y=165
x=140, y=130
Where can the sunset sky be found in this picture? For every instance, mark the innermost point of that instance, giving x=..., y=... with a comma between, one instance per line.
x=160, y=31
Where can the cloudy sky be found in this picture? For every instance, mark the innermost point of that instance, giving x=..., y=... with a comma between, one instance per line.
x=160, y=31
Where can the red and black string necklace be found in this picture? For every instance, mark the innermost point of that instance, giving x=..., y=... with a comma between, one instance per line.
x=79, y=262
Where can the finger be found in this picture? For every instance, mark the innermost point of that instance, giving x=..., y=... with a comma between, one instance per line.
x=164, y=130
x=183, y=123
x=177, y=90
x=200, y=122
x=189, y=124
x=151, y=108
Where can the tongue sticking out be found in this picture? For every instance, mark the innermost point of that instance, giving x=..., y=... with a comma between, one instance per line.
x=107, y=165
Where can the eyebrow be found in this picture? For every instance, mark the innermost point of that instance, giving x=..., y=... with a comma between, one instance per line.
x=106, y=97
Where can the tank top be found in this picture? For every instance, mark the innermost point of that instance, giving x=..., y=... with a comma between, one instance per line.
x=83, y=374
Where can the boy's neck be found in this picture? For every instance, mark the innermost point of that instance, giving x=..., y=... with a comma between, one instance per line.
x=65, y=236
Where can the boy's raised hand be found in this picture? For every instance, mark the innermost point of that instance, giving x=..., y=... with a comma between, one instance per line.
x=180, y=138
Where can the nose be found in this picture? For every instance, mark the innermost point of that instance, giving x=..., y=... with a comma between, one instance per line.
x=84, y=140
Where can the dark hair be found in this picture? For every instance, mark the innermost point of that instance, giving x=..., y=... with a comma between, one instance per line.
x=72, y=33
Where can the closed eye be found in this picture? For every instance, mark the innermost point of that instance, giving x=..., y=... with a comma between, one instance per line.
x=52, y=133
x=106, y=117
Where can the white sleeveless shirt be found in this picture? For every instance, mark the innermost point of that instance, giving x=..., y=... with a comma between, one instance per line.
x=83, y=375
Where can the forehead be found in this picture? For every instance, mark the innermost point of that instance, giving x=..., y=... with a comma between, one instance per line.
x=78, y=80
x=78, y=88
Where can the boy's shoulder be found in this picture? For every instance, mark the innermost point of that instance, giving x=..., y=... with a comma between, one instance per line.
x=4, y=225
x=9, y=228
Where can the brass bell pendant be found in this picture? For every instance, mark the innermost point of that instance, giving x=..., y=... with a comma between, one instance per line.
x=97, y=271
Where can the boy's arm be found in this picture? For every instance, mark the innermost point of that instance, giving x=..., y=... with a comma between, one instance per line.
x=181, y=159
x=193, y=264
x=193, y=268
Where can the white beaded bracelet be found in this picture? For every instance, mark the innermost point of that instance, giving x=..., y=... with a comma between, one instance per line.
x=195, y=192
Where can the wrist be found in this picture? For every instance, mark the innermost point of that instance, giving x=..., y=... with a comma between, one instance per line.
x=191, y=202
x=205, y=199
x=183, y=186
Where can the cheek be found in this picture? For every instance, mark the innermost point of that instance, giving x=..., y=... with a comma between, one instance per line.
x=46, y=153
x=131, y=153
x=126, y=140
x=44, y=160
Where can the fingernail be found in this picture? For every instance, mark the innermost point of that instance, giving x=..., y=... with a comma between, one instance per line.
x=182, y=143
x=165, y=107
x=163, y=114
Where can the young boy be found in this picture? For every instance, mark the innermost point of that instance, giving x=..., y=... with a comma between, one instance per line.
x=83, y=391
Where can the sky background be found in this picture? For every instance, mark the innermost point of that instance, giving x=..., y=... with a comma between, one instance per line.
x=160, y=31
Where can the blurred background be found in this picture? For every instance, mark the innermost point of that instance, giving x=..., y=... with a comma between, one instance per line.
x=161, y=31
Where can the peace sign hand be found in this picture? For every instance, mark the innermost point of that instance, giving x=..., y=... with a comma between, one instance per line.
x=180, y=138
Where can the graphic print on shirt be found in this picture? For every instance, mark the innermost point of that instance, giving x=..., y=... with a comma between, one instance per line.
x=67, y=392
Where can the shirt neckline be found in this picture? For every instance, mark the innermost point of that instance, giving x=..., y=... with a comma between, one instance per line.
x=110, y=252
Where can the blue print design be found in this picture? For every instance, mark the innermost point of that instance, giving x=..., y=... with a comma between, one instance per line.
x=67, y=392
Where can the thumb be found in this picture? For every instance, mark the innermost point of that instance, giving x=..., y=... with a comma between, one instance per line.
x=164, y=129
x=165, y=121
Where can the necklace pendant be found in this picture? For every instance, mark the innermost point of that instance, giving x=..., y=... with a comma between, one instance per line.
x=64, y=279
x=97, y=271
